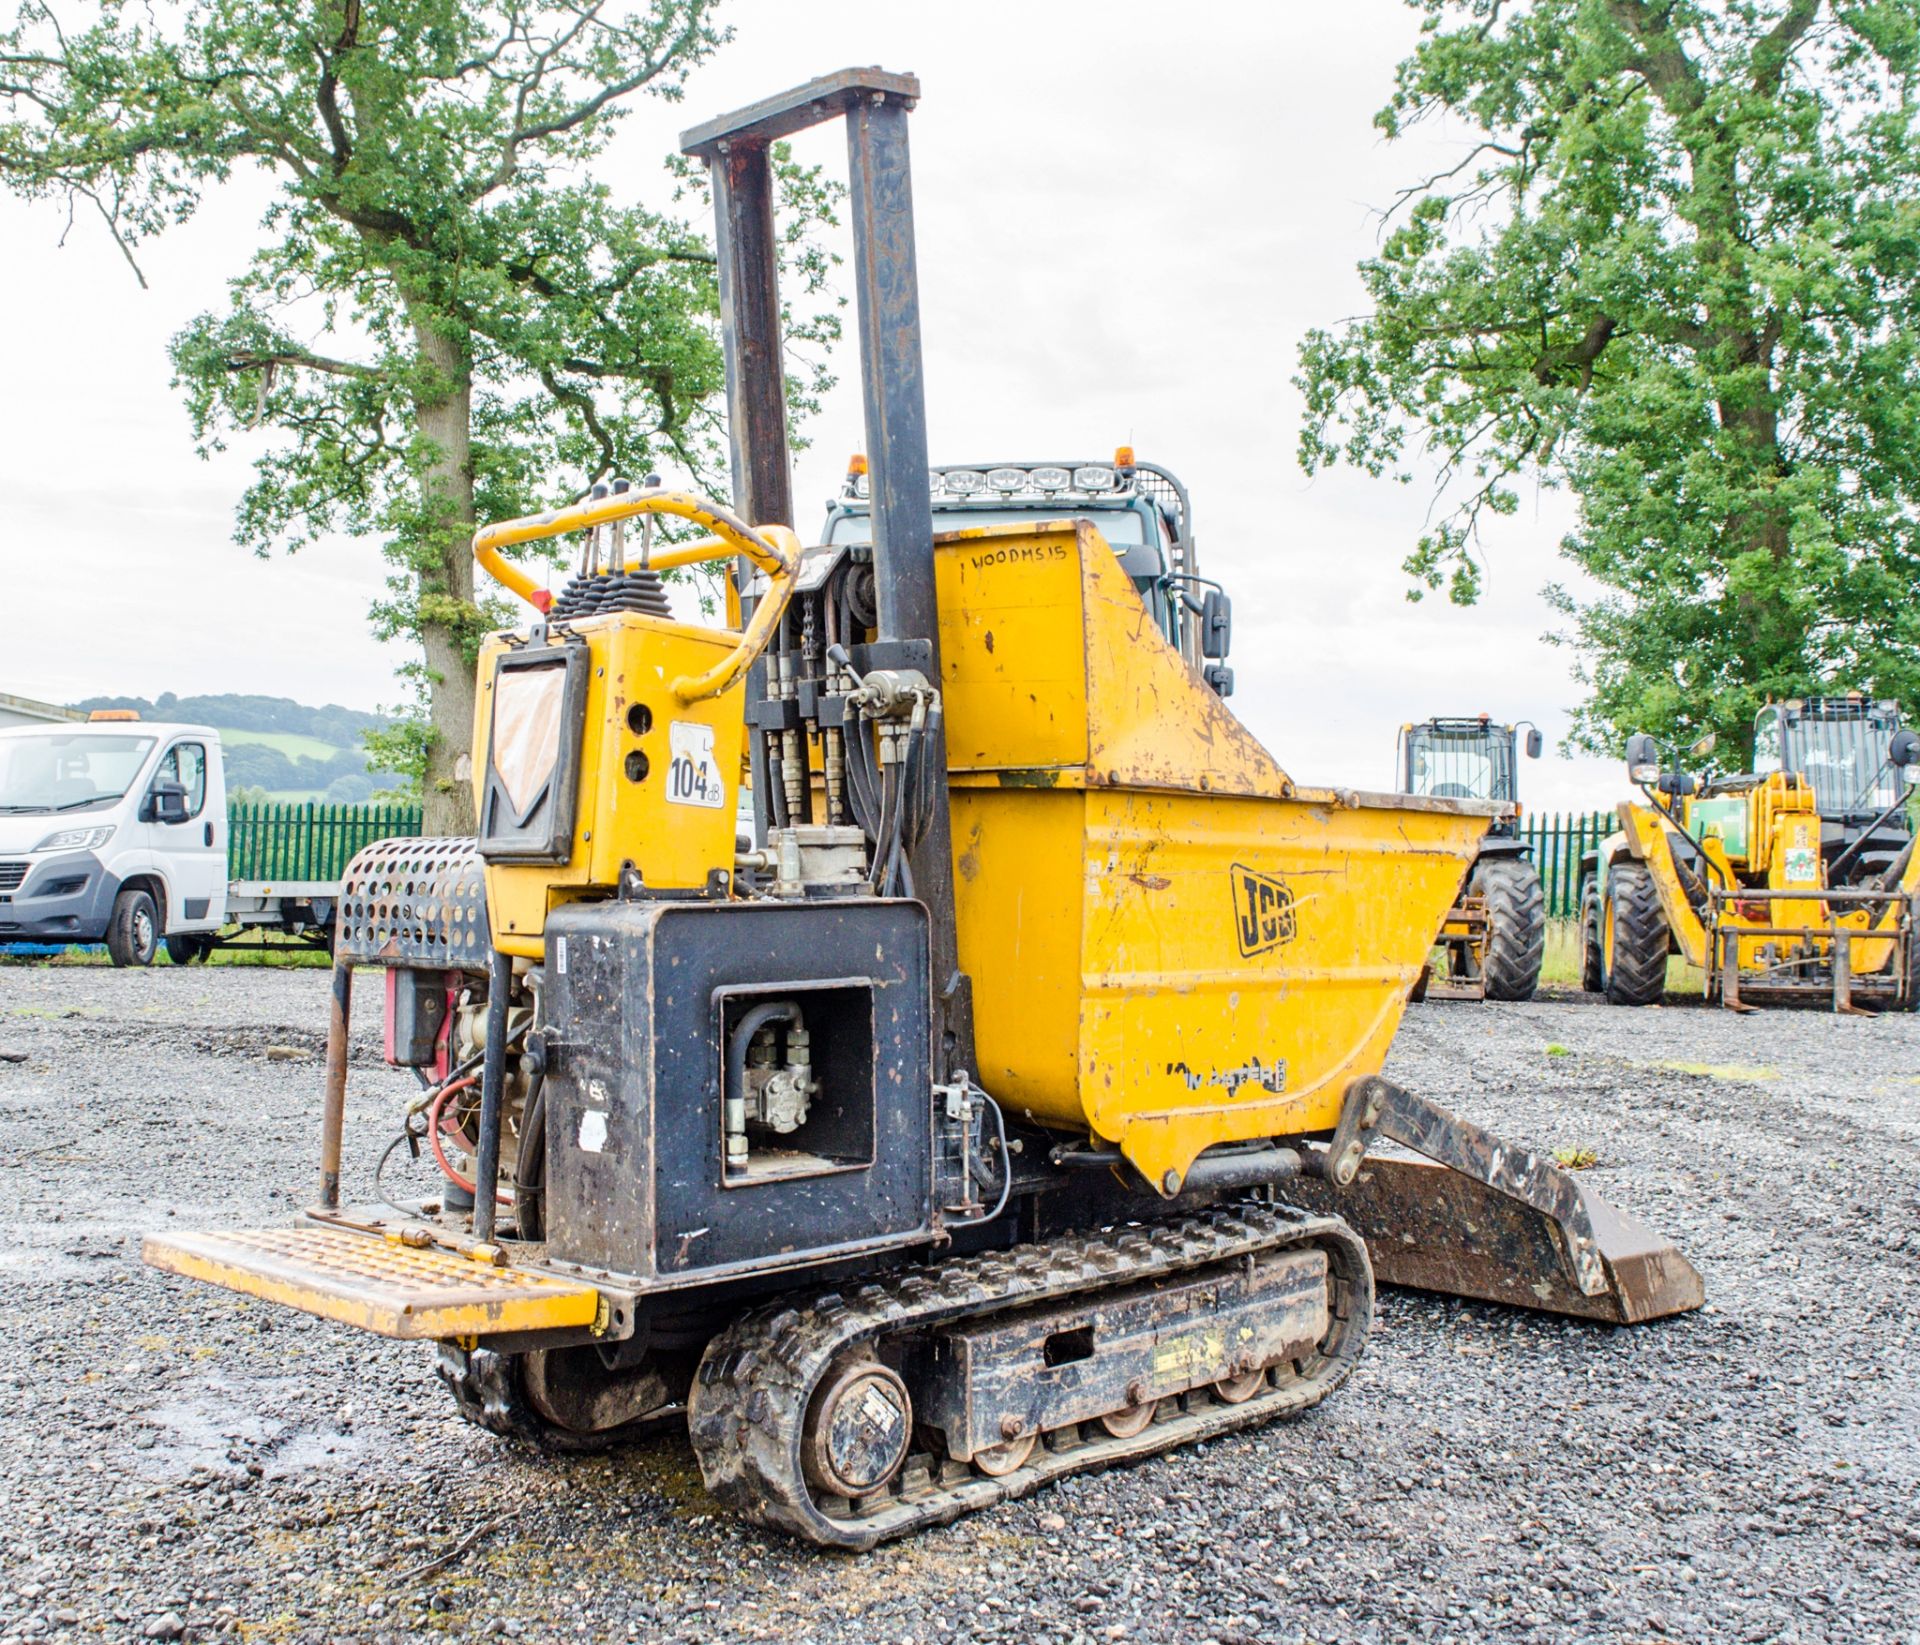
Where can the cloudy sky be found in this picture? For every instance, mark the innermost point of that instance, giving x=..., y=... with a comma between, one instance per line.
x=1123, y=236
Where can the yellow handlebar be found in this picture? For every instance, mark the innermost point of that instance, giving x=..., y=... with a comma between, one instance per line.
x=774, y=549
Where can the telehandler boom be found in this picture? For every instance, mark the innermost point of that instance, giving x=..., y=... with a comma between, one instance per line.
x=941, y=1140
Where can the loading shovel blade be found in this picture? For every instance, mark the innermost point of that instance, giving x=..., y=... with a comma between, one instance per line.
x=1489, y=1220
x=1434, y=1229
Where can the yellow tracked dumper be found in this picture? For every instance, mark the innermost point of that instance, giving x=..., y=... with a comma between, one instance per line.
x=996, y=1111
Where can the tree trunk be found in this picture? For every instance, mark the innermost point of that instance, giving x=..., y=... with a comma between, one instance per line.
x=444, y=578
x=1774, y=642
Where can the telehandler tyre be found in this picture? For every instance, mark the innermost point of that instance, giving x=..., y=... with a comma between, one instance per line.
x=1516, y=926
x=1593, y=956
x=1634, y=937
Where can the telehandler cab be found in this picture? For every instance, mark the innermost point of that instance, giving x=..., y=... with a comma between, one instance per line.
x=1791, y=883
x=1495, y=935
x=945, y=1139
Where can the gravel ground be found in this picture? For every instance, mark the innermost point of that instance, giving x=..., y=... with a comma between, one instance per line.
x=180, y=1463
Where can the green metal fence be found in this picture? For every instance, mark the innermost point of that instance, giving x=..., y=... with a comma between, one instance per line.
x=1559, y=842
x=307, y=841
x=315, y=842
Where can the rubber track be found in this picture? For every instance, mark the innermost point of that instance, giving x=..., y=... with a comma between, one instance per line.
x=486, y=1387
x=751, y=1395
x=1638, y=975
x=1516, y=927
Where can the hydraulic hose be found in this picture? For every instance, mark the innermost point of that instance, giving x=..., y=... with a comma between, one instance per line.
x=530, y=1165
x=738, y=1043
x=437, y=1125
x=1006, y=1162
x=493, y=1080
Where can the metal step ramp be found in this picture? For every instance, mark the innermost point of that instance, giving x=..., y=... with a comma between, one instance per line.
x=378, y=1284
x=1480, y=1217
x=1433, y=1229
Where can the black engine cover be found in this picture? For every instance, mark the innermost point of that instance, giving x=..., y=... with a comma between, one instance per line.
x=641, y=997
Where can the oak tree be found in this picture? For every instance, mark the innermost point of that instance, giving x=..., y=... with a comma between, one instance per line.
x=1674, y=270
x=450, y=315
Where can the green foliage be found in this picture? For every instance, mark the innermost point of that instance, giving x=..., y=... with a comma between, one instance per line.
x=448, y=317
x=400, y=746
x=267, y=717
x=1675, y=272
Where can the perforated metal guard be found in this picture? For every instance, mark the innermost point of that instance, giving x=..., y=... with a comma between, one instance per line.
x=374, y=1283
x=415, y=902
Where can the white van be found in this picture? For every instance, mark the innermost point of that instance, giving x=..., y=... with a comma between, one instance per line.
x=113, y=831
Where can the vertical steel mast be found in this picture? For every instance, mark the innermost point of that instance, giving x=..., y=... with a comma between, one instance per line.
x=736, y=147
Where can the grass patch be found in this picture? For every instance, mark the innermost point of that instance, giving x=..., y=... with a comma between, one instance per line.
x=1747, y=1072
x=1575, y=1159
x=1559, y=1050
x=295, y=745
x=276, y=948
x=1561, y=966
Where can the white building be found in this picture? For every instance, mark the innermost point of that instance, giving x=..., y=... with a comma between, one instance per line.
x=25, y=711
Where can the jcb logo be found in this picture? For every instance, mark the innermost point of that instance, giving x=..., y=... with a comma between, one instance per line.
x=1263, y=907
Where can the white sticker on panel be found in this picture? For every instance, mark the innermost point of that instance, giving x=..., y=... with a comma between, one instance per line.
x=693, y=774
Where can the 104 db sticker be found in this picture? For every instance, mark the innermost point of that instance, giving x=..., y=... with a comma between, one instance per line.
x=693, y=774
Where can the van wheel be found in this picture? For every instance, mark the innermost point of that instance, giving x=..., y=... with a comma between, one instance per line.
x=133, y=933
x=188, y=950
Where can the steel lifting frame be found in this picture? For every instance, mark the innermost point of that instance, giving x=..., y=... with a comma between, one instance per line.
x=737, y=149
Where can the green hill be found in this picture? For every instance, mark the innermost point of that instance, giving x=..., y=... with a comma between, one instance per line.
x=294, y=744
x=276, y=745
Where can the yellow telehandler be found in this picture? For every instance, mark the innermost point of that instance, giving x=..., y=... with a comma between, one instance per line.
x=1791, y=883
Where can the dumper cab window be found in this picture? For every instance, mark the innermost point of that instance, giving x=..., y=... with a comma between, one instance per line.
x=1133, y=528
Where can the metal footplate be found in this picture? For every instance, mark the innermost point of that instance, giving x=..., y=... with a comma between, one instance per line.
x=378, y=1284
x=804, y=1414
